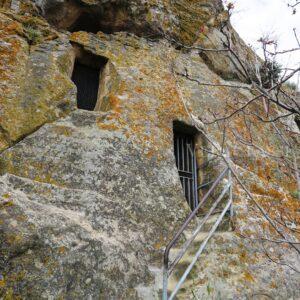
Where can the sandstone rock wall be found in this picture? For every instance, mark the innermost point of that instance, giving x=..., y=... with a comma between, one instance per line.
x=89, y=200
x=35, y=85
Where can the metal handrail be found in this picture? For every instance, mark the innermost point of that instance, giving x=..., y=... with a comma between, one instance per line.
x=168, y=269
x=203, y=185
x=194, y=235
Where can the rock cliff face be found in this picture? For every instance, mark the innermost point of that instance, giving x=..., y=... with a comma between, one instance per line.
x=89, y=199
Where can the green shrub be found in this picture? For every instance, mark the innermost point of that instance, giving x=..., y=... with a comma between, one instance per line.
x=270, y=71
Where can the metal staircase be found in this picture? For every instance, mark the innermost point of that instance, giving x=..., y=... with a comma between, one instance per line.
x=174, y=254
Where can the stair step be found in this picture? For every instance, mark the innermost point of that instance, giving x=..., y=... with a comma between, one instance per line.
x=181, y=295
x=173, y=282
x=197, y=241
x=223, y=232
x=199, y=238
x=189, y=256
x=223, y=226
x=195, y=245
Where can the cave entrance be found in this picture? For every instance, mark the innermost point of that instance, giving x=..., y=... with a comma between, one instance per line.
x=86, y=75
x=87, y=22
x=94, y=16
x=108, y=17
x=186, y=162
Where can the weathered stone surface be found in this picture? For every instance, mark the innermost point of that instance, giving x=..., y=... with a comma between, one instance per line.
x=233, y=268
x=180, y=18
x=225, y=64
x=189, y=22
x=89, y=202
x=35, y=86
x=111, y=202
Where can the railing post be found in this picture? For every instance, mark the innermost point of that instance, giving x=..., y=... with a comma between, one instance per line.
x=165, y=284
x=230, y=188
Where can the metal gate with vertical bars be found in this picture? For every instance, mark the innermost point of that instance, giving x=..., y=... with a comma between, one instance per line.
x=184, y=148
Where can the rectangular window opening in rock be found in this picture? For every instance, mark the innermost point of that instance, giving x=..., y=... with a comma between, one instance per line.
x=186, y=162
x=86, y=75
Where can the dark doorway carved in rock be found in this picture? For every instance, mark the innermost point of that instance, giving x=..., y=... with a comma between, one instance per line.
x=87, y=81
x=86, y=76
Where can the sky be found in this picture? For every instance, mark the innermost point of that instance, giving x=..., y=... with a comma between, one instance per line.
x=253, y=19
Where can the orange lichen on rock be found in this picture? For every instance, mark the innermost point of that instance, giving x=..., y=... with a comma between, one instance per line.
x=248, y=277
x=62, y=250
x=115, y=103
x=81, y=37
x=109, y=127
x=267, y=191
